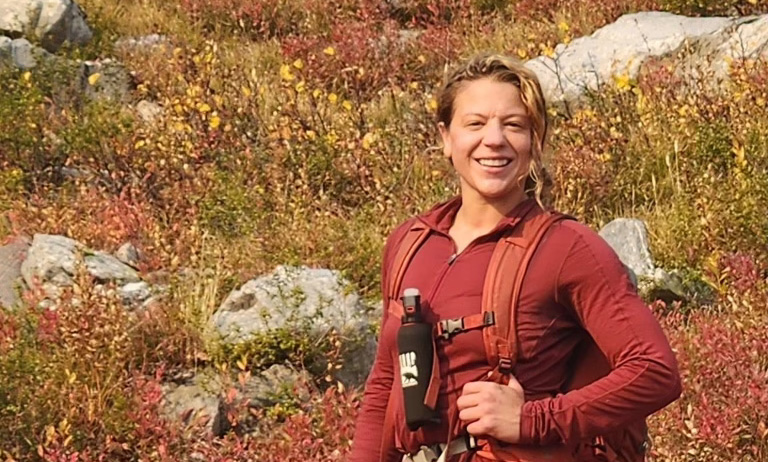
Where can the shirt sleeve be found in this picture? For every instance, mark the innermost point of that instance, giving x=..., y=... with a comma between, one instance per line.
x=369, y=428
x=644, y=375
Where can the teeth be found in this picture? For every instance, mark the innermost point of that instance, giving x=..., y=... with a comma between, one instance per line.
x=494, y=162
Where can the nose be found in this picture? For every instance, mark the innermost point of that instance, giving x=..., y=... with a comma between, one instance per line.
x=493, y=134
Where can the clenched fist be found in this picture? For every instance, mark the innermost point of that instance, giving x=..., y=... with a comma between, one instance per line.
x=492, y=409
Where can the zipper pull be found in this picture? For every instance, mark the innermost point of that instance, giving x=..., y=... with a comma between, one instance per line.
x=452, y=259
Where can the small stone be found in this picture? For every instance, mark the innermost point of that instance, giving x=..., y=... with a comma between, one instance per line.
x=128, y=254
x=148, y=111
x=134, y=294
x=23, y=54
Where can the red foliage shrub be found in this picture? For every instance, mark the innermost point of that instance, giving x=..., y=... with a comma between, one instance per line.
x=724, y=367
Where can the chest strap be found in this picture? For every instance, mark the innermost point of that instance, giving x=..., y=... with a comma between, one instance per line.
x=450, y=327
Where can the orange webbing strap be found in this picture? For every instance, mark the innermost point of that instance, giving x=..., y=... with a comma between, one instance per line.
x=407, y=248
x=503, y=282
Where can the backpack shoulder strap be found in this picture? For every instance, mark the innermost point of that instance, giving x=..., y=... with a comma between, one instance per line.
x=406, y=249
x=503, y=281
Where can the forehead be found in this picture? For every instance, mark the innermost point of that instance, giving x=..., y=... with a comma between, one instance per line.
x=488, y=96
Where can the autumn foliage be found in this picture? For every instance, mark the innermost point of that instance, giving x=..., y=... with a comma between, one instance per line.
x=302, y=132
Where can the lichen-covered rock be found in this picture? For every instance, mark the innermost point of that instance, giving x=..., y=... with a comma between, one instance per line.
x=52, y=261
x=106, y=80
x=289, y=297
x=302, y=302
x=53, y=22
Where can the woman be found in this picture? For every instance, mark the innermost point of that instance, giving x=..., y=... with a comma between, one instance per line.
x=492, y=120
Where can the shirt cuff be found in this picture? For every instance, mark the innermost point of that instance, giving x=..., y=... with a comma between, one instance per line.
x=527, y=424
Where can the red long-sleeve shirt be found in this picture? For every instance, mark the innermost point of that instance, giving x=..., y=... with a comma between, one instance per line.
x=575, y=286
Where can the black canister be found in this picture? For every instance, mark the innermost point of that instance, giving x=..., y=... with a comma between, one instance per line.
x=416, y=348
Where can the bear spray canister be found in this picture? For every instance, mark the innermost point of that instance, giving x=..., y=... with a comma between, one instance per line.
x=415, y=344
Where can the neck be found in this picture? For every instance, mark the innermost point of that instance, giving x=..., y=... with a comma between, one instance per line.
x=482, y=214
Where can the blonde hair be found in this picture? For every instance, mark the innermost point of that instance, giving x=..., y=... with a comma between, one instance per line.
x=508, y=70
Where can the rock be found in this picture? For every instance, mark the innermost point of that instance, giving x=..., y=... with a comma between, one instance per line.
x=51, y=261
x=24, y=55
x=134, y=294
x=664, y=286
x=148, y=111
x=11, y=258
x=106, y=79
x=620, y=49
x=5, y=47
x=749, y=40
x=307, y=301
x=128, y=254
x=198, y=400
x=201, y=398
x=142, y=42
x=286, y=298
x=274, y=384
x=629, y=239
x=53, y=22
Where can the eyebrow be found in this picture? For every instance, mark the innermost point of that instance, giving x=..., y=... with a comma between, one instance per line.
x=505, y=116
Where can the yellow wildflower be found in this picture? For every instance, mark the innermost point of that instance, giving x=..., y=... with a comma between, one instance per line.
x=329, y=51
x=368, y=140
x=285, y=73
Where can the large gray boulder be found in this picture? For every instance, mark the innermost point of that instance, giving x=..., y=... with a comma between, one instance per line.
x=621, y=48
x=306, y=301
x=287, y=298
x=11, y=257
x=629, y=239
x=52, y=261
x=53, y=22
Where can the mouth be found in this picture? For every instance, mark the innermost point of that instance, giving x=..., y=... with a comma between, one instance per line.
x=495, y=162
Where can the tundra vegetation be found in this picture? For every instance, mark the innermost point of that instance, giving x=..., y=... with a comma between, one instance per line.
x=301, y=133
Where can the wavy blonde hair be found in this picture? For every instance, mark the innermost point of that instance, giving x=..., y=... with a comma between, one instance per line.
x=506, y=69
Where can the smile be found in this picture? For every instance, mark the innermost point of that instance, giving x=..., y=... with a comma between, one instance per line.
x=494, y=162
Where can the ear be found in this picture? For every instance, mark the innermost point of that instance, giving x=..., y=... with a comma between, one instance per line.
x=446, y=139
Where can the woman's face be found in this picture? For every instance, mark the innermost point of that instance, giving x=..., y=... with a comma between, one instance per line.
x=489, y=141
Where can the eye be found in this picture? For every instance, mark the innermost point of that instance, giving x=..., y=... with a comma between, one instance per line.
x=516, y=124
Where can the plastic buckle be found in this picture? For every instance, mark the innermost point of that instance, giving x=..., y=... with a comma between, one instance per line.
x=505, y=365
x=449, y=327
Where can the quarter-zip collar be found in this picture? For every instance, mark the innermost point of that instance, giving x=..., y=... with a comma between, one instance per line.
x=440, y=218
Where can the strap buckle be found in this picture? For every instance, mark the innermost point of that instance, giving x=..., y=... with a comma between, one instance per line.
x=505, y=365
x=449, y=327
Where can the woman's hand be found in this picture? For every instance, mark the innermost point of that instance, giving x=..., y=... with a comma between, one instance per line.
x=491, y=409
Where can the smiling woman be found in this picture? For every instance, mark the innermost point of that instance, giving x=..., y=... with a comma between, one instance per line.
x=518, y=396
